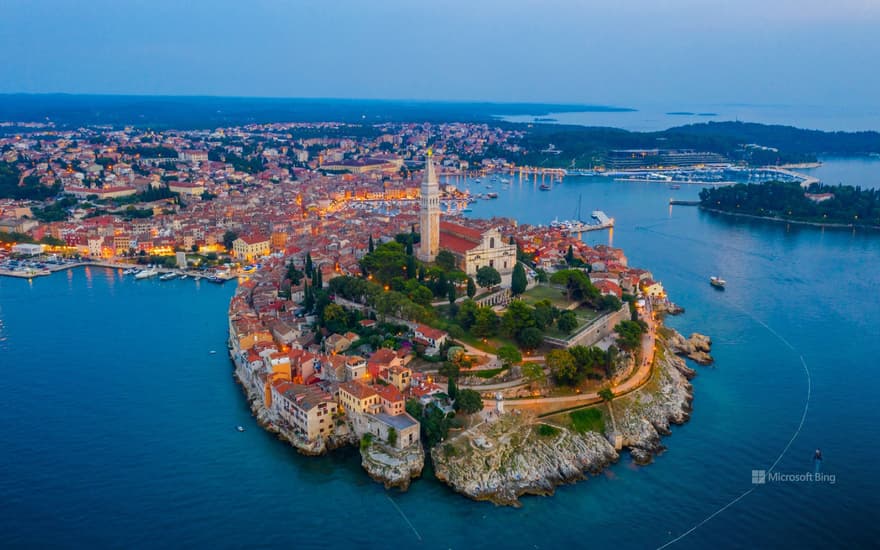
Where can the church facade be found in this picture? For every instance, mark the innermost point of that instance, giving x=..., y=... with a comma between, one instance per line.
x=472, y=248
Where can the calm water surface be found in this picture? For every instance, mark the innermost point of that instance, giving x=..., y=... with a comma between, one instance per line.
x=119, y=424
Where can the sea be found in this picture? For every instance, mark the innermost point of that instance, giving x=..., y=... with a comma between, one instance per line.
x=651, y=117
x=119, y=423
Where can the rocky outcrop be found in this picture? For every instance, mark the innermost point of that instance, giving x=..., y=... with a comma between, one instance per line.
x=506, y=458
x=697, y=347
x=644, y=415
x=393, y=467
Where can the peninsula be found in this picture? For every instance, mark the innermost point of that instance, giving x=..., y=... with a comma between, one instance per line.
x=545, y=374
x=815, y=204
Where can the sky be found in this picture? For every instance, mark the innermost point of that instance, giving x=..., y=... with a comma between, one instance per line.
x=607, y=52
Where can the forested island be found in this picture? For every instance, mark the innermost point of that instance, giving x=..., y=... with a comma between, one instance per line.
x=788, y=201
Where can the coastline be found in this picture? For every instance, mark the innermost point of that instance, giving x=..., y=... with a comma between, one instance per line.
x=507, y=456
x=798, y=222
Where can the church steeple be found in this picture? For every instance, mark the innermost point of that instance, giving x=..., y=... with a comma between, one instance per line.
x=429, y=214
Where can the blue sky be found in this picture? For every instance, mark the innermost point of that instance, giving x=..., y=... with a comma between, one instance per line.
x=802, y=52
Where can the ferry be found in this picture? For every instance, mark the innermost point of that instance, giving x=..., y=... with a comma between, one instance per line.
x=717, y=282
x=146, y=274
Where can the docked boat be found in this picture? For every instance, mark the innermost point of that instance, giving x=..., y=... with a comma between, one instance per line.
x=717, y=282
x=146, y=274
x=184, y=276
x=130, y=271
x=216, y=280
x=168, y=276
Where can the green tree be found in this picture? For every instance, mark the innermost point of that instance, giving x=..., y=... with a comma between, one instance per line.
x=392, y=437
x=450, y=294
x=530, y=338
x=485, y=322
x=629, y=334
x=228, y=237
x=508, y=354
x=370, y=245
x=567, y=322
x=386, y=262
x=606, y=394
x=569, y=256
x=518, y=282
x=445, y=260
x=534, y=372
x=563, y=367
x=488, y=276
x=467, y=314
x=471, y=288
x=451, y=388
x=517, y=317
x=468, y=401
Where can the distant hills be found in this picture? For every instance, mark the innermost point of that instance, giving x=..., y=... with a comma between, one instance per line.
x=192, y=112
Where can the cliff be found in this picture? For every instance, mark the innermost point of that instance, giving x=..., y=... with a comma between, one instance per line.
x=393, y=467
x=641, y=417
x=504, y=459
x=507, y=456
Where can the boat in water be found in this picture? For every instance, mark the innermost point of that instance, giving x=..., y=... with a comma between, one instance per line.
x=492, y=195
x=216, y=280
x=168, y=276
x=544, y=187
x=675, y=186
x=717, y=282
x=146, y=274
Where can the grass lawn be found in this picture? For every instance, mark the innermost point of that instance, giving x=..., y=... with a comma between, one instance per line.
x=544, y=292
x=587, y=420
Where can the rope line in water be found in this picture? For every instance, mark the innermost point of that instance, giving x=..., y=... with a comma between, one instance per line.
x=406, y=519
x=784, y=450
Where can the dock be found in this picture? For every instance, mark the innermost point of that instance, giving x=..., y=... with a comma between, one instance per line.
x=602, y=222
x=684, y=203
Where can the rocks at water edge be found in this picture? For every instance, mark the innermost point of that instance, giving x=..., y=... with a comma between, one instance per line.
x=696, y=347
x=642, y=417
x=393, y=467
x=506, y=458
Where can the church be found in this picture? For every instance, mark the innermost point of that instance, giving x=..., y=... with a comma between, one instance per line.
x=472, y=248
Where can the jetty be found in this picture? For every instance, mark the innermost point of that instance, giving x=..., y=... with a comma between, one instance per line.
x=683, y=202
x=602, y=222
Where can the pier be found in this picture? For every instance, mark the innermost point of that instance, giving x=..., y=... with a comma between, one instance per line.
x=602, y=222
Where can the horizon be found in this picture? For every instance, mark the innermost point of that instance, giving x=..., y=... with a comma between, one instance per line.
x=561, y=52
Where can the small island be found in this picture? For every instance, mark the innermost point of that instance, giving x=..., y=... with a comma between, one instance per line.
x=816, y=204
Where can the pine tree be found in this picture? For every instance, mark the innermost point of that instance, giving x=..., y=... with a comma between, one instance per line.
x=518, y=282
x=409, y=247
x=370, y=246
x=471, y=287
x=569, y=256
x=309, y=265
x=451, y=389
x=411, y=267
x=451, y=293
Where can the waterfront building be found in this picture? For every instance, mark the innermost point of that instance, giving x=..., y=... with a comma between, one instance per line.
x=249, y=247
x=308, y=410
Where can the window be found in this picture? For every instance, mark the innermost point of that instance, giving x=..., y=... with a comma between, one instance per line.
x=492, y=242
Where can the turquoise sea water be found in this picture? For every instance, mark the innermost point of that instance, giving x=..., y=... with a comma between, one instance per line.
x=119, y=426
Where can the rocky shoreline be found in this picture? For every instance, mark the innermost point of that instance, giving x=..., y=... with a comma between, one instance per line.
x=511, y=456
x=391, y=467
